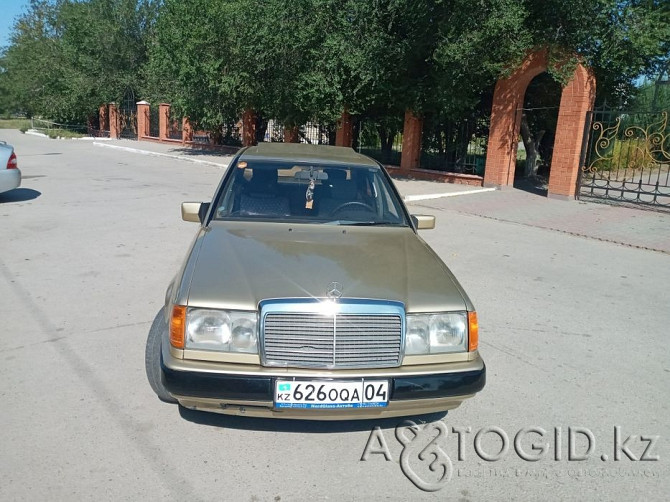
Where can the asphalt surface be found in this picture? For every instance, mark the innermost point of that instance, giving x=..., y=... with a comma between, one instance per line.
x=573, y=306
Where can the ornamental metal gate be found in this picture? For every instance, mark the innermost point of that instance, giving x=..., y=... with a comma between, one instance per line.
x=128, y=115
x=154, y=122
x=272, y=130
x=626, y=157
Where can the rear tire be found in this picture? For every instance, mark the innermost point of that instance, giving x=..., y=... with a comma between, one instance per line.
x=152, y=357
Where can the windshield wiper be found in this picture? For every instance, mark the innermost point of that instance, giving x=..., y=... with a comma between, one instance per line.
x=360, y=223
x=371, y=223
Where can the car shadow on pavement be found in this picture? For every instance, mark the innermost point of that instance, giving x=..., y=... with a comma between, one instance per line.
x=300, y=426
x=19, y=195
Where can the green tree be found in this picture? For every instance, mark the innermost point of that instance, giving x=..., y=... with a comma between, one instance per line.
x=28, y=64
x=620, y=39
x=67, y=57
x=212, y=59
x=312, y=59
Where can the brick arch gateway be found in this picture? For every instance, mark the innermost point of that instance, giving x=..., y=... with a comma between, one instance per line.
x=576, y=100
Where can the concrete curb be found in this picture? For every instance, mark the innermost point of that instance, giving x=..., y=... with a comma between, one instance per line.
x=429, y=196
x=33, y=132
x=158, y=154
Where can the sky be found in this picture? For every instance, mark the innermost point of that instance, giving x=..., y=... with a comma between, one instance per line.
x=9, y=9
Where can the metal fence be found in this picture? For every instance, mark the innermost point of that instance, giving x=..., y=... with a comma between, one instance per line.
x=274, y=132
x=317, y=134
x=626, y=157
x=154, y=125
x=57, y=129
x=175, y=126
x=313, y=133
x=128, y=115
x=380, y=139
x=227, y=135
x=95, y=129
x=128, y=121
x=448, y=146
x=457, y=146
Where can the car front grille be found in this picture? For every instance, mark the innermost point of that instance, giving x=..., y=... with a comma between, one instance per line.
x=356, y=336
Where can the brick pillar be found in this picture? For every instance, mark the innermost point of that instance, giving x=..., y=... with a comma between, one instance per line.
x=143, y=119
x=411, y=142
x=291, y=135
x=248, y=128
x=104, y=118
x=163, y=120
x=505, y=120
x=577, y=99
x=186, y=130
x=114, y=122
x=503, y=134
x=344, y=135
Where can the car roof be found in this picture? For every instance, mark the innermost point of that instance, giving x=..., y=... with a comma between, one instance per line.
x=299, y=152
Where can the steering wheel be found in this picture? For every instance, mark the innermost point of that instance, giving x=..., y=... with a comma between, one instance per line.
x=352, y=204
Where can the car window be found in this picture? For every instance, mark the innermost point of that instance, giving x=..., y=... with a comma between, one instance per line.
x=307, y=192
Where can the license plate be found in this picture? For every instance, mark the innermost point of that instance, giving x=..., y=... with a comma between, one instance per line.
x=320, y=394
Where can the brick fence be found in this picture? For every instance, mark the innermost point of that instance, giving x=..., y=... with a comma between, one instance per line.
x=576, y=100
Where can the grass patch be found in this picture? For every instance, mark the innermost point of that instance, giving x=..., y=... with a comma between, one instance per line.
x=61, y=133
x=21, y=124
x=53, y=132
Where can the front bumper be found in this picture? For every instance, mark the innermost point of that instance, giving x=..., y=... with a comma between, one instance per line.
x=413, y=390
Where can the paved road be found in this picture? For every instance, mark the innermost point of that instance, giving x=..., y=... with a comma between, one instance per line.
x=574, y=322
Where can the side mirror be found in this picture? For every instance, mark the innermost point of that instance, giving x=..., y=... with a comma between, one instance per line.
x=423, y=221
x=194, y=211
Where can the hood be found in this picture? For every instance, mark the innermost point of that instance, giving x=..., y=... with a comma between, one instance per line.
x=238, y=264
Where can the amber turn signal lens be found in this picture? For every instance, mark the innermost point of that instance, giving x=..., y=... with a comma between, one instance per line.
x=178, y=326
x=473, y=331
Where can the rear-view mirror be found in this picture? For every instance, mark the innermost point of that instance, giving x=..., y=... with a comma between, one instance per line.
x=423, y=221
x=194, y=211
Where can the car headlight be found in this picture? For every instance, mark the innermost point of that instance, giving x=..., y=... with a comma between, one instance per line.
x=436, y=333
x=221, y=330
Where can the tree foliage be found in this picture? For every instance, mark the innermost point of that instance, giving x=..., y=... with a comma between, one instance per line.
x=67, y=57
x=620, y=39
x=312, y=59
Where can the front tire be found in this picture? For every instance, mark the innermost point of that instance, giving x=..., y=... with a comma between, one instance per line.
x=152, y=357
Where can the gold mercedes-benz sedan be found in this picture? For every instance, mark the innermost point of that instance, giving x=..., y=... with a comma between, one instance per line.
x=308, y=294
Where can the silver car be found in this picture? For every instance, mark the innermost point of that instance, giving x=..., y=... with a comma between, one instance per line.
x=10, y=175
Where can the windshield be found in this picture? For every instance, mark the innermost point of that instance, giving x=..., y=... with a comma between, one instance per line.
x=309, y=193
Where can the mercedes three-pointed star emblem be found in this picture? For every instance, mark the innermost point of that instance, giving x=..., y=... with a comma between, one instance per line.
x=334, y=290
